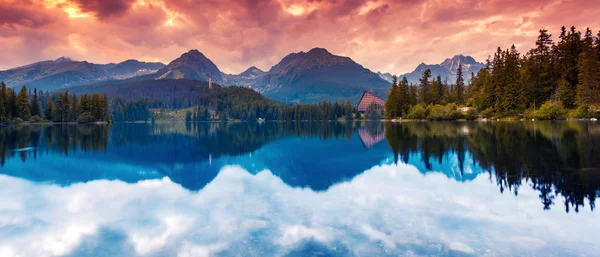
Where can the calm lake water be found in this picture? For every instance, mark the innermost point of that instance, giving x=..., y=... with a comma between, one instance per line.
x=301, y=189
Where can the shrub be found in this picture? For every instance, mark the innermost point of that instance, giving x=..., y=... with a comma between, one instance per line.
x=417, y=112
x=85, y=118
x=35, y=118
x=436, y=112
x=444, y=112
x=487, y=113
x=17, y=120
x=548, y=111
x=471, y=114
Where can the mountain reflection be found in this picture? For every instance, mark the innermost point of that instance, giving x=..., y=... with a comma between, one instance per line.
x=559, y=160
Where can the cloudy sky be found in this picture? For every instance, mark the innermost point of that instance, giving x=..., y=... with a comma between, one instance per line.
x=383, y=35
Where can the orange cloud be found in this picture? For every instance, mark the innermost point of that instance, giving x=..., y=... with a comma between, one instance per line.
x=383, y=35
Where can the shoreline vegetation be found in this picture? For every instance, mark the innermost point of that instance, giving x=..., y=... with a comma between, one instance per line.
x=26, y=107
x=552, y=81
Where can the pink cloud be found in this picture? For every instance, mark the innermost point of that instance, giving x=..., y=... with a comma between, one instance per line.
x=383, y=35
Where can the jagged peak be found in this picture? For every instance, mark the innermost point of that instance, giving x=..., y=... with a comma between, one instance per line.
x=193, y=53
x=254, y=68
x=63, y=59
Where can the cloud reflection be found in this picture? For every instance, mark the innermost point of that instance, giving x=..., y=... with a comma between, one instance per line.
x=389, y=210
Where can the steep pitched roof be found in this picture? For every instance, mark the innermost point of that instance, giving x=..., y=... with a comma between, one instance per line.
x=367, y=99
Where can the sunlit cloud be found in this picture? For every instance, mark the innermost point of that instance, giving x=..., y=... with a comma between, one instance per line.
x=238, y=34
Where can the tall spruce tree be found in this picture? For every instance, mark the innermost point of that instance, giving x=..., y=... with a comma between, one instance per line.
x=425, y=87
x=512, y=89
x=404, y=98
x=460, y=85
x=49, y=110
x=2, y=101
x=540, y=78
x=23, y=110
x=588, y=86
x=392, y=104
x=12, y=109
x=36, y=110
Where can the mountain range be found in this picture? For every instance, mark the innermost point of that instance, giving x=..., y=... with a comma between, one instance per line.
x=301, y=77
x=446, y=70
x=64, y=73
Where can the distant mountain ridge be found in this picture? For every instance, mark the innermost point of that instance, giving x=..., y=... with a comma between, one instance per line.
x=64, y=72
x=447, y=69
x=301, y=77
x=318, y=75
x=246, y=78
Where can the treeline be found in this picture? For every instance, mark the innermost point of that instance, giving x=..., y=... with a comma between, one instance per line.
x=131, y=110
x=551, y=81
x=56, y=107
x=250, y=111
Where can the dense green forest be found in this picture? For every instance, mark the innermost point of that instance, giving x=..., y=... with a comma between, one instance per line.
x=57, y=107
x=551, y=81
x=135, y=100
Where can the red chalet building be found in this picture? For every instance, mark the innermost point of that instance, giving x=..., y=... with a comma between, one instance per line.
x=367, y=99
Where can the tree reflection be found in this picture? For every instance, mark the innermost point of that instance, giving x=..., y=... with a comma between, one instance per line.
x=33, y=140
x=558, y=159
x=555, y=158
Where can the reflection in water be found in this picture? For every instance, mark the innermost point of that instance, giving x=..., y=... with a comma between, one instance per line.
x=371, y=134
x=557, y=159
x=300, y=189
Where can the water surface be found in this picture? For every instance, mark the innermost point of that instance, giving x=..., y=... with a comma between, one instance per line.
x=301, y=189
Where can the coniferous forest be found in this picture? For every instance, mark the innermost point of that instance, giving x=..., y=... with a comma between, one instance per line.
x=557, y=79
x=57, y=107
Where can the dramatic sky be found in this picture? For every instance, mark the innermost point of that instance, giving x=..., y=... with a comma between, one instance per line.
x=383, y=35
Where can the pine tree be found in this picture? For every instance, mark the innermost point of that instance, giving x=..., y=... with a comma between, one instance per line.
x=104, y=106
x=2, y=101
x=588, y=87
x=597, y=46
x=23, y=110
x=460, y=85
x=497, y=78
x=74, y=111
x=404, y=98
x=36, y=110
x=392, y=104
x=512, y=94
x=12, y=109
x=539, y=76
x=97, y=107
x=570, y=49
x=49, y=110
x=437, y=90
x=425, y=87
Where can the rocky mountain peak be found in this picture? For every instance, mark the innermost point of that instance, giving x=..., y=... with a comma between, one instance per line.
x=63, y=59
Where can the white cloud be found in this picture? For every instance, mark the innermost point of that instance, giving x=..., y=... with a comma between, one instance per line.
x=388, y=210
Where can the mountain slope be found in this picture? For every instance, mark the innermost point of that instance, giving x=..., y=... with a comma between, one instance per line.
x=191, y=65
x=65, y=73
x=319, y=75
x=386, y=76
x=133, y=68
x=447, y=69
x=246, y=79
